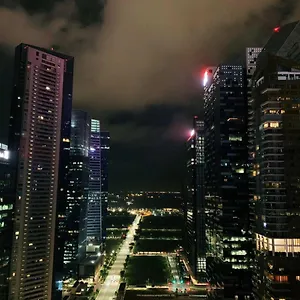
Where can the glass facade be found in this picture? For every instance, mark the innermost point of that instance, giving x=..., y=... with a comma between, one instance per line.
x=275, y=109
x=39, y=123
x=105, y=148
x=95, y=220
x=77, y=193
x=195, y=244
x=6, y=217
x=226, y=182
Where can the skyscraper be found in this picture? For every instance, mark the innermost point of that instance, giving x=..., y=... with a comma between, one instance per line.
x=285, y=41
x=77, y=194
x=226, y=181
x=94, y=216
x=38, y=140
x=195, y=244
x=105, y=147
x=276, y=199
x=6, y=216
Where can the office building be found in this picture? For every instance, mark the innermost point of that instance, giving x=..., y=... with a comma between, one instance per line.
x=226, y=181
x=38, y=141
x=195, y=244
x=285, y=41
x=105, y=148
x=94, y=216
x=6, y=217
x=77, y=194
x=275, y=108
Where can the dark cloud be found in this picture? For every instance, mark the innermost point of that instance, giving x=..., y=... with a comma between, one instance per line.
x=138, y=71
x=146, y=51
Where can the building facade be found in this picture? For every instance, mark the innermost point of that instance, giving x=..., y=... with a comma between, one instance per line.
x=275, y=108
x=195, y=240
x=105, y=149
x=94, y=217
x=38, y=134
x=226, y=182
x=77, y=193
x=6, y=219
x=285, y=41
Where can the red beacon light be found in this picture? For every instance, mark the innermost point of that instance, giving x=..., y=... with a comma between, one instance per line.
x=276, y=29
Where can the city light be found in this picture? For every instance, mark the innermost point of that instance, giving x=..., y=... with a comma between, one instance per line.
x=205, y=78
x=192, y=133
x=277, y=29
x=4, y=154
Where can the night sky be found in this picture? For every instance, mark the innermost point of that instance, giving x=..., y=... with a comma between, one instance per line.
x=138, y=66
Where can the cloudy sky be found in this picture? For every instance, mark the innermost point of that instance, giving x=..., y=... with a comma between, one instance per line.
x=138, y=64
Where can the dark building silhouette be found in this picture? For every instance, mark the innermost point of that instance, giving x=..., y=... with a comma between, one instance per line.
x=194, y=212
x=226, y=181
x=6, y=220
x=77, y=193
x=275, y=109
x=39, y=142
x=105, y=148
x=95, y=214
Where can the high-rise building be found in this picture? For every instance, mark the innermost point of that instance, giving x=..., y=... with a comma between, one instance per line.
x=94, y=216
x=77, y=194
x=6, y=217
x=251, y=61
x=226, y=181
x=105, y=148
x=38, y=141
x=275, y=108
x=195, y=244
x=285, y=41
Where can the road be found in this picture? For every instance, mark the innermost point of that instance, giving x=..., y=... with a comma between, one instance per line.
x=112, y=281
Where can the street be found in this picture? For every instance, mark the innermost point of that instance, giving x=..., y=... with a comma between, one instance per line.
x=112, y=281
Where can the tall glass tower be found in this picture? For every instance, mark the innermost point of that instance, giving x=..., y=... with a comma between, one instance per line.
x=77, y=193
x=39, y=141
x=195, y=243
x=94, y=216
x=226, y=181
x=105, y=148
x=6, y=217
x=275, y=108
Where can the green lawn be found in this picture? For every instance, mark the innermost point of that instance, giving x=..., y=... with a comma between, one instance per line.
x=116, y=232
x=143, y=269
x=119, y=221
x=112, y=244
x=156, y=245
x=161, y=234
x=174, y=222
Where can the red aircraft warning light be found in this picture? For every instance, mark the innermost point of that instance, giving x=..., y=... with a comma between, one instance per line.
x=277, y=29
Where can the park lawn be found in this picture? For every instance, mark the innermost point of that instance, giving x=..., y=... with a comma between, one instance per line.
x=157, y=245
x=142, y=270
x=112, y=245
x=162, y=222
x=118, y=221
x=161, y=234
x=116, y=232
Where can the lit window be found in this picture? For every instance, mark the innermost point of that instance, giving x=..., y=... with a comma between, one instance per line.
x=274, y=124
x=281, y=278
x=48, y=88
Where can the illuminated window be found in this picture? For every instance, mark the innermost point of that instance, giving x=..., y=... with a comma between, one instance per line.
x=235, y=138
x=281, y=278
x=298, y=278
x=274, y=124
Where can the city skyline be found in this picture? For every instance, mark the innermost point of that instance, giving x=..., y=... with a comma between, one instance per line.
x=172, y=111
x=69, y=225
